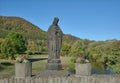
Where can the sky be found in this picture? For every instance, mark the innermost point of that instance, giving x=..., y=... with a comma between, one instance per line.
x=87, y=19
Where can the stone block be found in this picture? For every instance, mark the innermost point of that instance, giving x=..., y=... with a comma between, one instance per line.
x=23, y=70
x=83, y=69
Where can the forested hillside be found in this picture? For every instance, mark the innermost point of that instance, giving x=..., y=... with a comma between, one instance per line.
x=34, y=36
x=27, y=29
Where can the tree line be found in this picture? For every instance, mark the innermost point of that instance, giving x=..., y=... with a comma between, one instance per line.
x=105, y=53
x=102, y=54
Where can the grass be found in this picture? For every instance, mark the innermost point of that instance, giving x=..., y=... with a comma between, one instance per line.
x=38, y=65
x=7, y=68
x=65, y=61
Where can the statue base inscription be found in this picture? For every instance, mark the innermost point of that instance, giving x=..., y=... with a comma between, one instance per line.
x=53, y=73
x=55, y=64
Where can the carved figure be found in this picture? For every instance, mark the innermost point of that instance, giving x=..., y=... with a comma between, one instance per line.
x=54, y=38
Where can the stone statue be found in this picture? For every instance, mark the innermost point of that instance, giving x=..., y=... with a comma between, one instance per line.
x=54, y=38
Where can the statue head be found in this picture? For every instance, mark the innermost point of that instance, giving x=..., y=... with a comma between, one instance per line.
x=56, y=19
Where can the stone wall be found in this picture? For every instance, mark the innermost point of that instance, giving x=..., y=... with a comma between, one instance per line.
x=70, y=79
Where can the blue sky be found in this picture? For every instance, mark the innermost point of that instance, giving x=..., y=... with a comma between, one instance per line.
x=86, y=19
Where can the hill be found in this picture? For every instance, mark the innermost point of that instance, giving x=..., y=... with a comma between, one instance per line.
x=33, y=34
x=27, y=29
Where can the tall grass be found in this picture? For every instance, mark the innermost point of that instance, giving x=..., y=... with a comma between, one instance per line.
x=37, y=66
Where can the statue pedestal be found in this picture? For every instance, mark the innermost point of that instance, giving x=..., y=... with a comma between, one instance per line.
x=55, y=64
x=53, y=73
x=53, y=69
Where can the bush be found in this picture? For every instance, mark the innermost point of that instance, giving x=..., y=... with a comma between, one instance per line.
x=71, y=66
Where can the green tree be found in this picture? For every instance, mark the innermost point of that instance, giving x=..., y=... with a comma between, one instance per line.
x=65, y=50
x=97, y=54
x=79, y=48
x=13, y=44
x=114, y=56
x=106, y=54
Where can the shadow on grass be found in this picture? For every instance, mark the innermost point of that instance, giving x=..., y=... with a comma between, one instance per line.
x=36, y=59
x=7, y=63
x=1, y=67
x=4, y=65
